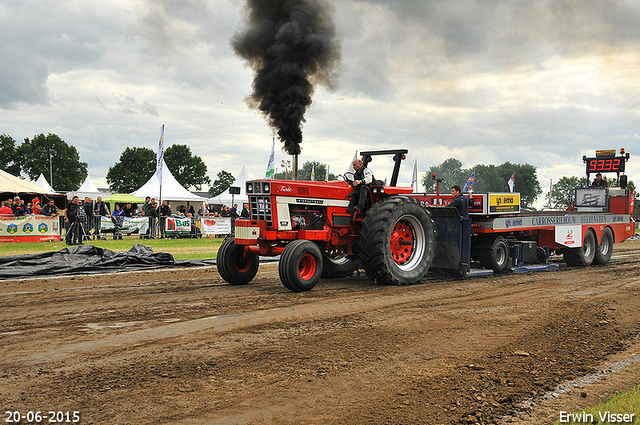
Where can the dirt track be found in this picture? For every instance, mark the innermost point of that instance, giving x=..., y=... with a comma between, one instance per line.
x=181, y=346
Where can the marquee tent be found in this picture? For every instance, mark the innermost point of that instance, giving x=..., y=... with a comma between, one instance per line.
x=12, y=184
x=171, y=189
x=43, y=183
x=225, y=197
x=87, y=188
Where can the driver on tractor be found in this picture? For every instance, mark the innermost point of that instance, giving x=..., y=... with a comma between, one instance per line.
x=363, y=178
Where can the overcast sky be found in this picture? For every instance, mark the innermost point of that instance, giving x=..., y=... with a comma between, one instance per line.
x=539, y=82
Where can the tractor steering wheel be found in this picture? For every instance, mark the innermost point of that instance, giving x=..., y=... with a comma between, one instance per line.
x=349, y=178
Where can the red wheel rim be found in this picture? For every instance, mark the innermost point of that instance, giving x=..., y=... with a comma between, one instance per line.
x=307, y=267
x=402, y=241
x=242, y=264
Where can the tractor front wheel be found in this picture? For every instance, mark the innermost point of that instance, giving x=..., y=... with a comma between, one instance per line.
x=300, y=265
x=234, y=265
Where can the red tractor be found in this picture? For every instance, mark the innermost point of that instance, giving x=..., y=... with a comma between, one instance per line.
x=306, y=223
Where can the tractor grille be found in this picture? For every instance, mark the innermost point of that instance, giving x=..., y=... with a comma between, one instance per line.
x=261, y=209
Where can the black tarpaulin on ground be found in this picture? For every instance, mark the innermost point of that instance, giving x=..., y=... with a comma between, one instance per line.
x=89, y=259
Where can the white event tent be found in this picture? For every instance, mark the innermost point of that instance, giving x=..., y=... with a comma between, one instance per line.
x=171, y=189
x=87, y=188
x=43, y=183
x=12, y=184
x=225, y=198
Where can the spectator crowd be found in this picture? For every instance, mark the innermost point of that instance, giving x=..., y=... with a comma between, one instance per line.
x=83, y=218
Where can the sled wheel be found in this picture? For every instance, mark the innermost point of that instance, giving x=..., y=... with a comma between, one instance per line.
x=300, y=265
x=397, y=241
x=495, y=254
x=584, y=255
x=605, y=249
x=233, y=265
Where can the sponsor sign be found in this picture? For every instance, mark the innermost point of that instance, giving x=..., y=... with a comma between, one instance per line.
x=215, y=225
x=177, y=226
x=591, y=197
x=128, y=225
x=569, y=236
x=504, y=202
x=29, y=228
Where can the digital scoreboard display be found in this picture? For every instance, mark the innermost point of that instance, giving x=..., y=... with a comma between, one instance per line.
x=605, y=165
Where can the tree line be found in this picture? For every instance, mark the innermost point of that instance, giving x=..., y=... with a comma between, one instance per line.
x=487, y=178
x=51, y=155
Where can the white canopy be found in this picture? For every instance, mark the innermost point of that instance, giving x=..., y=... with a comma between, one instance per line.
x=87, y=188
x=13, y=184
x=171, y=189
x=225, y=197
x=43, y=183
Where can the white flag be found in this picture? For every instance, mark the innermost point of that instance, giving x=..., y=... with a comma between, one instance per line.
x=351, y=169
x=313, y=172
x=512, y=182
x=326, y=176
x=414, y=179
x=270, y=166
x=160, y=156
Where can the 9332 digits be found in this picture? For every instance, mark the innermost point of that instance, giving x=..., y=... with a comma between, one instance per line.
x=42, y=417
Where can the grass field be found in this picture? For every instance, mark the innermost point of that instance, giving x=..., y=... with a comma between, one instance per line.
x=622, y=403
x=181, y=249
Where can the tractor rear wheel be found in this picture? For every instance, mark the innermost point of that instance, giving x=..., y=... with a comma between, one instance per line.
x=234, y=265
x=300, y=265
x=397, y=241
x=336, y=264
x=605, y=249
x=582, y=256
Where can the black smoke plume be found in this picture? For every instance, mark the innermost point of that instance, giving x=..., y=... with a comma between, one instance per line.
x=291, y=46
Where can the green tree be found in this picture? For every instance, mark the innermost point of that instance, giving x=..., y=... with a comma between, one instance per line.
x=563, y=191
x=310, y=166
x=8, y=161
x=188, y=169
x=450, y=171
x=68, y=171
x=491, y=178
x=222, y=183
x=135, y=167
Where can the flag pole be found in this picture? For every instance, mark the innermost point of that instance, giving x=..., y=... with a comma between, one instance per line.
x=160, y=160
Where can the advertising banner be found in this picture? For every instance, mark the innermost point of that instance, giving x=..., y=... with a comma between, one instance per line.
x=215, y=225
x=570, y=236
x=30, y=228
x=178, y=226
x=125, y=224
x=504, y=202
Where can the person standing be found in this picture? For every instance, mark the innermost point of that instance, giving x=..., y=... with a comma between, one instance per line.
x=460, y=202
x=88, y=210
x=71, y=221
x=101, y=210
x=245, y=211
x=152, y=215
x=128, y=210
x=164, y=211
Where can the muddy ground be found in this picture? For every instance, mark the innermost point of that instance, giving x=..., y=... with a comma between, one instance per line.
x=183, y=347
